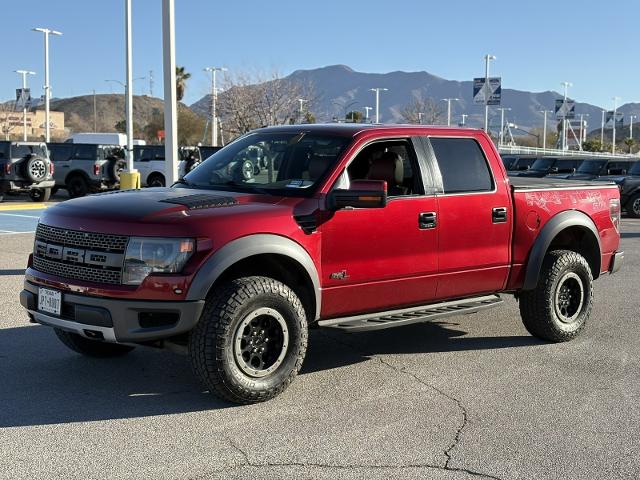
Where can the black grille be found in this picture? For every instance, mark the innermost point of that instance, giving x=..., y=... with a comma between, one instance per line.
x=68, y=238
x=97, y=275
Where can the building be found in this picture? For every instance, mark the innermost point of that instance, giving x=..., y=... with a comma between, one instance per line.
x=11, y=125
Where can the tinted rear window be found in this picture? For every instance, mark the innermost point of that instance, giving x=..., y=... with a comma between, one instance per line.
x=462, y=164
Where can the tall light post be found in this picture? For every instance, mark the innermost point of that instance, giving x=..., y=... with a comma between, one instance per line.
x=449, y=100
x=602, y=129
x=544, y=128
x=464, y=119
x=487, y=59
x=170, y=95
x=501, y=136
x=615, y=111
x=47, y=87
x=301, y=101
x=631, y=118
x=378, y=90
x=214, y=101
x=566, y=86
x=583, y=128
x=420, y=115
x=24, y=74
x=366, y=113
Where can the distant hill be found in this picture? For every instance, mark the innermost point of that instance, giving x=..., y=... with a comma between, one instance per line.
x=338, y=86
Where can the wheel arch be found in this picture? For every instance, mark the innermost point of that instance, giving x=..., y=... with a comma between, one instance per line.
x=77, y=173
x=155, y=173
x=265, y=255
x=570, y=230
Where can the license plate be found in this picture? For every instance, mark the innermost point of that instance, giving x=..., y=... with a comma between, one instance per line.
x=49, y=301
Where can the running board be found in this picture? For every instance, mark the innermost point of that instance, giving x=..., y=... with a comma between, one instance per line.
x=407, y=316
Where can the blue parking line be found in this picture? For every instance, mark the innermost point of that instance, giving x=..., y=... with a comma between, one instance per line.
x=18, y=221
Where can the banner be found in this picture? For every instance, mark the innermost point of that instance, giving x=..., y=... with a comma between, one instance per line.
x=487, y=93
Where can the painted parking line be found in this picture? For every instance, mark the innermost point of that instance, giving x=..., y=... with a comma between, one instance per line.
x=12, y=206
x=18, y=221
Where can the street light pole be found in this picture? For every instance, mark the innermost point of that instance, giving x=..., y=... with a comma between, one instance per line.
x=566, y=85
x=602, y=129
x=24, y=74
x=420, y=114
x=631, y=117
x=214, y=101
x=448, y=100
x=47, y=87
x=464, y=119
x=128, y=89
x=501, y=136
x=544, y=128
x=378, y=90
x=583, y=129
x=615, y=110
x=487, y=59
x=366, y=113
x=170, y=96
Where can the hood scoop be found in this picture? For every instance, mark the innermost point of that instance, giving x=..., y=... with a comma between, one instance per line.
x=202, y=200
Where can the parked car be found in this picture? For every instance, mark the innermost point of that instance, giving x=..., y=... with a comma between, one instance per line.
x=592, y=169
x=149, y=160
x=629, y=185
x=83, y=168
x=521, y=163
x=353, y=227
x=25, y=168
x=543, y=166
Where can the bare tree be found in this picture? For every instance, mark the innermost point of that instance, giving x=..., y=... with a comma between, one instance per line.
x=430, y=111
x=255, y=100
x=9, y=119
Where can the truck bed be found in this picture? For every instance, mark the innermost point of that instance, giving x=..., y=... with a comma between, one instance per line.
x=528, y=183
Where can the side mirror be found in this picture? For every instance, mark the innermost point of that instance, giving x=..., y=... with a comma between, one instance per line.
x=361, y=194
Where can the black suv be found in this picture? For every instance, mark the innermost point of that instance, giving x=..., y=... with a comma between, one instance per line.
x=25, y=167
x=544, y=166
x=83, y=168
x=593, y=169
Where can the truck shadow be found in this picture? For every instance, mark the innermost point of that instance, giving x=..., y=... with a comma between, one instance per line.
x=42, y=382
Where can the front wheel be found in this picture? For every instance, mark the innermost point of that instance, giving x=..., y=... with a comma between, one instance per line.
x=77, y=186
x=250, y=341
x=91, y=348
x=559, y=307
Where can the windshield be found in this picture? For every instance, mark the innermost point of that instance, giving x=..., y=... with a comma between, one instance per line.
x=20, y=151
x=279, y=163
x=543, y=164
x=592, y=167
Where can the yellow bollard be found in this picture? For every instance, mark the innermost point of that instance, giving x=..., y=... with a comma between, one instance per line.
x=129, y=180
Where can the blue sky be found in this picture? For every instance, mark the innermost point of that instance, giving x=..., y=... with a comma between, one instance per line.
x=538, y=43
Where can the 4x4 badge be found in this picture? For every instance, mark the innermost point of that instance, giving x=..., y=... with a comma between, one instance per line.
x=339, y=275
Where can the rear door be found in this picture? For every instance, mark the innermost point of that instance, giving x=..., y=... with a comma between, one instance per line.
x=475, y=218
x=61, y=156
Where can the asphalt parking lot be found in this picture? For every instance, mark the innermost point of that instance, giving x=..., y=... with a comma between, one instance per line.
x=467, y=397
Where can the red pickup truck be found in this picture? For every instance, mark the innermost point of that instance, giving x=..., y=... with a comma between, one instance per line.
x=354, y=227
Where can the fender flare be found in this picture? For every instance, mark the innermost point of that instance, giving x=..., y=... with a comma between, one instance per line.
x=560, y=222
x=249, y=246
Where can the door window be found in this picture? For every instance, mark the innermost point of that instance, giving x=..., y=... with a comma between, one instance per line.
x=84, y=152
x=462, y=164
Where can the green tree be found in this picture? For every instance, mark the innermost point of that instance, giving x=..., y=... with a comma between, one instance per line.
x=592, y=145
x=181, y=82
x=630, y=142
x=121, y=126
x=354, y=116
x=309, y=117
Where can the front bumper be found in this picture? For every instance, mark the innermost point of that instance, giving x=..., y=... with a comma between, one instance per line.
x=616, y=262
x=115, y=320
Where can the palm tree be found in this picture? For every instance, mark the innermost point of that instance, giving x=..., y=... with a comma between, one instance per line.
x=181, y=82
x=629, y=142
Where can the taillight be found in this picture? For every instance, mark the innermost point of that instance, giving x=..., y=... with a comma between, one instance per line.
x=614, y=212
x=7, y=168
x=51, y=168
x=96, y=169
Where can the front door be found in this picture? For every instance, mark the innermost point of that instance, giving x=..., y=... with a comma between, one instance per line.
x=382, y=258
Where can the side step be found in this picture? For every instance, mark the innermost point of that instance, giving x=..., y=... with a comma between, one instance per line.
x=407, y=316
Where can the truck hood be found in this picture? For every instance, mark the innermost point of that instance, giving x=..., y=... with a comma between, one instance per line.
x=163, y=210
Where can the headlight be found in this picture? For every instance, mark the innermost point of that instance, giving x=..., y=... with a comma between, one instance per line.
x=146, y=255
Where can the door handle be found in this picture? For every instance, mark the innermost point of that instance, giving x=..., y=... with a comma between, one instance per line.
x=427, y=220
x=499, y=215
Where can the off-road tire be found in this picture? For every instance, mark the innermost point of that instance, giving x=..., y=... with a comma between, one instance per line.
x=156, y=180
x=40, y=194
x=91, y=348
x=633, y=209
x=115, y=166
x=35, y=168
x=541, y=309
x=211, y=343
x=77, y=186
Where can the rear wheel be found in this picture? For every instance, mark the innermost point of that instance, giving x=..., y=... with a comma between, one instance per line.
x=250, y=341
x=77, y=186
x=156, y=180
x=40, y=194
x=634, y=206
x=559, y=307
x=91, y=348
